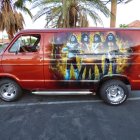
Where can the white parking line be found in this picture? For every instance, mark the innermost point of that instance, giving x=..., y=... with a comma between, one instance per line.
x=75, y=102
x=57, y=103
x=48, y=103
x=134, y=98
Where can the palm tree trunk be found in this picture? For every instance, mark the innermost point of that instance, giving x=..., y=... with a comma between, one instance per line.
x=10, y=35
x=113, y=13
x=64, y=12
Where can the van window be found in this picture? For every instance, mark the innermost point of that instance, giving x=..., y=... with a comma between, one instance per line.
x=28, y=43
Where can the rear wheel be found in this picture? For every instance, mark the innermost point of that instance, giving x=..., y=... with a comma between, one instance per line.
x=9, y=90
x=114, y=92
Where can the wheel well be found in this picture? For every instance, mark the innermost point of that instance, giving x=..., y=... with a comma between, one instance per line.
x=15, y=80
x=10, y=78
x=121, y=78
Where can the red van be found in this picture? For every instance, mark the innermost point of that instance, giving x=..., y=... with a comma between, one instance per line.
x=106, y=61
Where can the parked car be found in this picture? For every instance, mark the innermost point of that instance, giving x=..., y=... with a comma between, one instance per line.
x=101, y=60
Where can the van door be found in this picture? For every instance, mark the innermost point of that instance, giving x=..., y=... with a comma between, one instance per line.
x=23, y=61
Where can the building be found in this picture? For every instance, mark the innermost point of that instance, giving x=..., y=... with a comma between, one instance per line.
x=134, y=24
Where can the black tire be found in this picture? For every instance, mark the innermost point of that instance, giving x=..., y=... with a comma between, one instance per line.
x=9, y=90
x=114, y=92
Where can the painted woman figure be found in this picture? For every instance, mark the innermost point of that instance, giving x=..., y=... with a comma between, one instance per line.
x=111, y=50
x=86, y=60
x=97, y=50
x=72, y=48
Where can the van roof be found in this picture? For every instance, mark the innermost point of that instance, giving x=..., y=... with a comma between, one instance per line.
x=75, y=29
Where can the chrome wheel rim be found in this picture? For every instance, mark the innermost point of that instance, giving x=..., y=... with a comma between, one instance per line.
x=8, y=91
x=115, y=93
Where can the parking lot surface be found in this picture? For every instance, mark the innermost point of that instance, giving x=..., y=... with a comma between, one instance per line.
x=69, y=118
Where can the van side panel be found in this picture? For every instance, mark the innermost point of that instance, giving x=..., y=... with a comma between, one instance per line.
x=80, y=59
x=57, y=62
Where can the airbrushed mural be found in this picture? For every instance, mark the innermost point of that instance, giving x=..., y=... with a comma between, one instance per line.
x=89, y=55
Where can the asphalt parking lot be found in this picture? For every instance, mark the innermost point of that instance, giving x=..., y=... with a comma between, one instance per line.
x=69, y=118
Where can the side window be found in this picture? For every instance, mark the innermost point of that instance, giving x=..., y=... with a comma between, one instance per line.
x=26, y=43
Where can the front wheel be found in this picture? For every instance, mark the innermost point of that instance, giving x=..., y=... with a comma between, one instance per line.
x=9, y=90
x=114, y=92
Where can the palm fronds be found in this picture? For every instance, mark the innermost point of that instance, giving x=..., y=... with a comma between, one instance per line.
x=11, y=20
x=72, y=13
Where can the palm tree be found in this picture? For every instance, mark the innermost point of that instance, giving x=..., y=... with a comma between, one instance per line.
x=21, y=5
x=70, y=13
x=11, y=20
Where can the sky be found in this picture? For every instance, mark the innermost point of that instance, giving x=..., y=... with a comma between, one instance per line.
x=126, y=13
